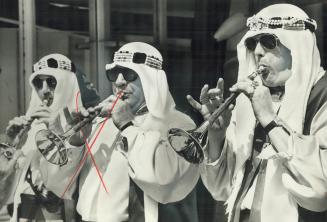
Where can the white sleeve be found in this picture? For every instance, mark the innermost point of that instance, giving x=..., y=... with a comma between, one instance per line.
x=57, y=178
x=307, y=182
x=218, y=175
x=159, y=171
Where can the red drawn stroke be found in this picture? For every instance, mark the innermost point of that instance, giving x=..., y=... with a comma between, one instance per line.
x=90, y=147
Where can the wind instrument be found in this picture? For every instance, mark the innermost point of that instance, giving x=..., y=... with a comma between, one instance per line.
x=189, y=144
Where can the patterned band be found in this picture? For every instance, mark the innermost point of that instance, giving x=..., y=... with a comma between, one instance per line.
x=56, y=64
x=138, y=58
x=290, y=23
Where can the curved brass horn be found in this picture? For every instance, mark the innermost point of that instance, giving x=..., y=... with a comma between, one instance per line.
x=52, y=146
x=189, y=144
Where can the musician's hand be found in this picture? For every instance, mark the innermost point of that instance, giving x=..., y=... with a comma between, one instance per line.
x=210, y=100
x=41, y=112
x=7, y=167
x=105, y=107
x=35, y=166
x=37, y=179
x=7, y=172
x=16, y=125
x=260, y=98
x=120, y=111
x=74, y=118
x=51, y=119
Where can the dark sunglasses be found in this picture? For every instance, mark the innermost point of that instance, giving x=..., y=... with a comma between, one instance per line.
x=269, y=41
x=38, y=82
x=128, y=74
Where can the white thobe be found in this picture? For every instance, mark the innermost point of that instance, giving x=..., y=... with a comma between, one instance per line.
x=306, y=158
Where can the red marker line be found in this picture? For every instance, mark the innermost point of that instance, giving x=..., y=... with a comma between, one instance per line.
x=94, y=163
x=76, y=101
x=90, y=147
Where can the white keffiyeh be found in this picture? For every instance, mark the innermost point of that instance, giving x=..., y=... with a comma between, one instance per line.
x=306, y=71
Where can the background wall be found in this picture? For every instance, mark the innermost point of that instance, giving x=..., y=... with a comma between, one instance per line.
x=8, y=75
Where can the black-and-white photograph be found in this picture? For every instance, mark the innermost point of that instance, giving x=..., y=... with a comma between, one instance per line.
x=163, y=111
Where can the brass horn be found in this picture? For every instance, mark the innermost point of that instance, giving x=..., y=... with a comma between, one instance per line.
x=52, y=146
x=189, y=144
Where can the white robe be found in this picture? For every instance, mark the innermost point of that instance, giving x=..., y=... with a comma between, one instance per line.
x=307, y=159
x=162, y=175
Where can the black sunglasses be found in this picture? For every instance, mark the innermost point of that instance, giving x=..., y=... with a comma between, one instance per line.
x=128, y=74
x=38, y=82
x=269, y=41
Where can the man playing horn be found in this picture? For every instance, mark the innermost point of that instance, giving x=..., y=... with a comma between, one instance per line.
x=267, y=157
x=135, y=172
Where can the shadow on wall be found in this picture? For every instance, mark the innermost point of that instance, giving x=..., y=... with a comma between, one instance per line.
x=230, y=74
x=89, y=94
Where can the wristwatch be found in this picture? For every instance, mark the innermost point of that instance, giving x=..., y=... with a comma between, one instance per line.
x=126, y=125
x=277, y=122
x=270, y=126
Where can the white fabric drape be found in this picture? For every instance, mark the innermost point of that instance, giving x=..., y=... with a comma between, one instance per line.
x=66, y=94
x=150, y=161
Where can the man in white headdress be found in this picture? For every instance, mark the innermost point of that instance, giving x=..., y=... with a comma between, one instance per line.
x=140, y=171
x=268, y=159
x=38, y=193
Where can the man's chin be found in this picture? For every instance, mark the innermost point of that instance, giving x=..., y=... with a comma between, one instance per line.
x=269, y=82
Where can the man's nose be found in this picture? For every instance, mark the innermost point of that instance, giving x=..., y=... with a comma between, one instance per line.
x=259, y=51
x=120, y=81
x=45, y=88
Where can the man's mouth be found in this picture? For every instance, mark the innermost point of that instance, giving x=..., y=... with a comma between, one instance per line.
x=266, y=71
x=47, y=101
x=125, y=95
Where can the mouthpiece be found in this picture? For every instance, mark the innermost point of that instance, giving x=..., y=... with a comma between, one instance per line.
x=122, y=95
x=263, y=70
x=45, y=102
